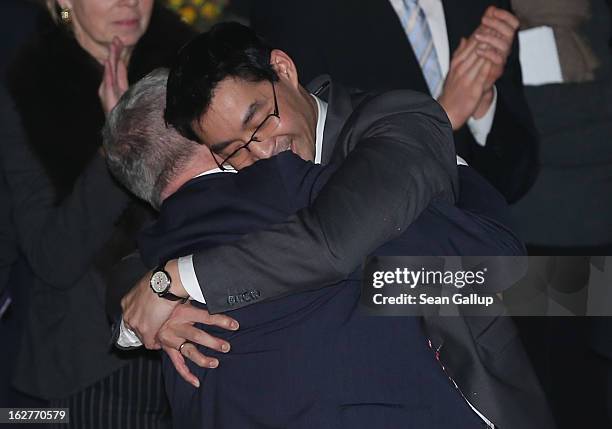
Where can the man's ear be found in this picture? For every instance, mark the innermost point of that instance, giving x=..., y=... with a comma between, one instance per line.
x=284, y=67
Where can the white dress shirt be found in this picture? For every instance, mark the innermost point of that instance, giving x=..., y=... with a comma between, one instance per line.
x=434, y=12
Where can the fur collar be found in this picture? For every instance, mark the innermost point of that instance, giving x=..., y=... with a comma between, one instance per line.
x=54, y=84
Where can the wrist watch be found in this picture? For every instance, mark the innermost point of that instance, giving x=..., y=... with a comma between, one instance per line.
x=161, y=282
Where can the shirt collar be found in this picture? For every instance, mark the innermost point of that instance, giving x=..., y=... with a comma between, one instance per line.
x=228, y=169
x=321, y=116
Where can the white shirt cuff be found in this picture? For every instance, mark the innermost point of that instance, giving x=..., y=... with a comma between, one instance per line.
x=189, y=279
x=127, y=338
x=481, y=127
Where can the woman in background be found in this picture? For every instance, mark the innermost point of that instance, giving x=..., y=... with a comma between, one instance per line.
x=73, y=222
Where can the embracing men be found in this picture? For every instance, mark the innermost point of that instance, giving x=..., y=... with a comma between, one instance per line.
x=310, y=359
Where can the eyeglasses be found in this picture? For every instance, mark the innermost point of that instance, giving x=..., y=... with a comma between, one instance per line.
x=262, y=132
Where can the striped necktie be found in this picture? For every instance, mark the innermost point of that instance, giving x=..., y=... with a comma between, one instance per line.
x=418, y=32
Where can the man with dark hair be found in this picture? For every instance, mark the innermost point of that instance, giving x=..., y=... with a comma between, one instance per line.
x=192, y=85
x=310, y=349
x=401, y=157
x=398, y=157
x=463, y=53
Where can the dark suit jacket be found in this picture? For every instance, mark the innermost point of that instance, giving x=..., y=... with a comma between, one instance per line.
x=299, y=362
x=400, y=157
x=366, y=47
x=18, y=19
x=8, y=242
x=62, y=291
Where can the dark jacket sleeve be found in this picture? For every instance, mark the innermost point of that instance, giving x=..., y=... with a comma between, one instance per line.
x=509, y=160
x=59, y=241
x=395, y=166
x=8, y=241
x=121, y=279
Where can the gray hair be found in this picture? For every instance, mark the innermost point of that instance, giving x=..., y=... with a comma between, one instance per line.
x=141, y=151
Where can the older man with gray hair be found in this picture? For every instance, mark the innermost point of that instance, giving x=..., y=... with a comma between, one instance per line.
x=150, y=159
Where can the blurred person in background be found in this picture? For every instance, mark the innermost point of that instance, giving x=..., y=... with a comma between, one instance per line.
x=72, y=221
x=567, y=215
x=568, y=210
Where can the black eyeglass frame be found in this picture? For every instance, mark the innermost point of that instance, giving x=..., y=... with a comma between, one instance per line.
x=253, y=138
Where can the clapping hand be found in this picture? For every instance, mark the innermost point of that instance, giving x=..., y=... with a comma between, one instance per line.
x=495, y=36
x=115, y=81
x=476, y=65
x=464, y=87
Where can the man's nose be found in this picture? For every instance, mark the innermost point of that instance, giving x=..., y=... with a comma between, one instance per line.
x=263, y=149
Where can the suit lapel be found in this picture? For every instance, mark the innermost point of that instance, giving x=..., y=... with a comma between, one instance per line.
x=408, y=59
x=380, y=43
x=452, y=15
x=338, y=110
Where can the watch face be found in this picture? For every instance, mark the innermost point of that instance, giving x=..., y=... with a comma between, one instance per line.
x=160, y=282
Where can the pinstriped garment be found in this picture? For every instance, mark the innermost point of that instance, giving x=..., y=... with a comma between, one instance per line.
x=419, y=34
x=133, y=397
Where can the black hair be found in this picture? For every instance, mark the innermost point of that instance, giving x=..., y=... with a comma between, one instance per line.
x=226, y=50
